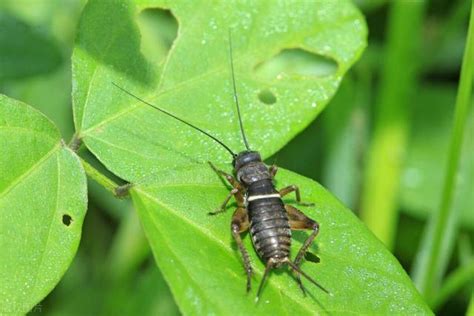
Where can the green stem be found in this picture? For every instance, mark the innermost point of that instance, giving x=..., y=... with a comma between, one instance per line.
x=455, y=20
x=455, y=281
x=470, y=307
x=98, y=177
x=437, y=243
x=379, y=208
x=75, y=143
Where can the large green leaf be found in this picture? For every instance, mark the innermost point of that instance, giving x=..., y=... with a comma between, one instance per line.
x=42, y=206
x=204, y=269
x=193, y=80
x=174, y=189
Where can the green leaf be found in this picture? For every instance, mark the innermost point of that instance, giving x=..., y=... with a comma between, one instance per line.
x=203, y=267
x=174, y=190
x=42, y=206
x=193, y=80
x=25, y=51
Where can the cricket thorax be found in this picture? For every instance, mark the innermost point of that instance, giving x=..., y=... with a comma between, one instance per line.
x=249, y=168
x=253, y=172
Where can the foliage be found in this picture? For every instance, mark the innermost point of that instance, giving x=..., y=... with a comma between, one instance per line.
x=290, y=60
x=43, y=201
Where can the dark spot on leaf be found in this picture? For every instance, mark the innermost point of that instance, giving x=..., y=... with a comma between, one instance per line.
x=291, y=62
x=159, y=29
x=67, y=219
x=267, y=97
x=312, y=257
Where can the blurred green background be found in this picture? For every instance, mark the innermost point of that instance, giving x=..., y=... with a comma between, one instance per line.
x=398, y=99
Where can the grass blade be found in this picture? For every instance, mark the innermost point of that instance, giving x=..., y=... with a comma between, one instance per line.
x=435, y=248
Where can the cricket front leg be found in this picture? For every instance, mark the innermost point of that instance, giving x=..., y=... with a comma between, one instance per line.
x=273, y=170
x=237, y=190
x=232, y=181
x=222, y=208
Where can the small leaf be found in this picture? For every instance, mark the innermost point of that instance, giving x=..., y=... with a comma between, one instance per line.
x=42, y=206
x=204, y=269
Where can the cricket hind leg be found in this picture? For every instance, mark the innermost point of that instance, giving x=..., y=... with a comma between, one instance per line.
x=299, y=221
x=240, y=223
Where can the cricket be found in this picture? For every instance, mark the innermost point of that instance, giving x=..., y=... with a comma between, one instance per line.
x=260, y=208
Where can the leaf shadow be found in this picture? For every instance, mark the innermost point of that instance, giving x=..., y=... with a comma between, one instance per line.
x=115, y=40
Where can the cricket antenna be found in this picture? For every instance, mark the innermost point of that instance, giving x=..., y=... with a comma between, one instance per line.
x=235, y=91
x=177, y=118
x=310, y=279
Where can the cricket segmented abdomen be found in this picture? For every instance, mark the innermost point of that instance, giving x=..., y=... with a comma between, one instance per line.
x=269, y=225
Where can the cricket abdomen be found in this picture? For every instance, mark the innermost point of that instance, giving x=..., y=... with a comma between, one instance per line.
x=269, y=225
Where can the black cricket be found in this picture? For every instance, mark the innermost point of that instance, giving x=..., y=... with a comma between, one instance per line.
x=260, y=207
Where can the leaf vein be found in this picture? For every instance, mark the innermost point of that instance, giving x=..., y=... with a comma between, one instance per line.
x=28, y=172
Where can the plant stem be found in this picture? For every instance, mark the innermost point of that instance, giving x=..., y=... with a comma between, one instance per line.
x=455, y=281
x=379, y=208
x=75, y=143
x=470, y=307
x=436, y=246
x=98, y=177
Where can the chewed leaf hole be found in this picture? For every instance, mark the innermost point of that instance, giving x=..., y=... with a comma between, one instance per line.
x=67, y=219
x=159, y=29
x=297, y=61
x=267, y=97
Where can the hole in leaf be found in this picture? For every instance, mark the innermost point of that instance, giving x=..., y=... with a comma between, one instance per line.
x=312, y=257
x=267, y=97
x=296, y=61
x=159, y=29
x=67, y=219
